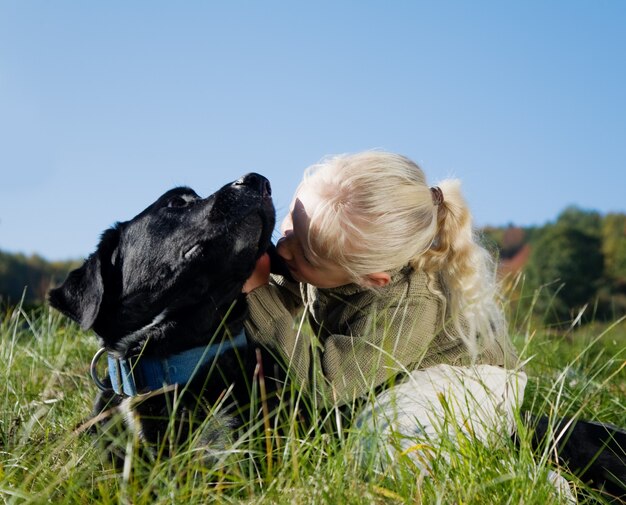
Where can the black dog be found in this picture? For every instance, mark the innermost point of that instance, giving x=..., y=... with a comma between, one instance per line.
x=163, y=293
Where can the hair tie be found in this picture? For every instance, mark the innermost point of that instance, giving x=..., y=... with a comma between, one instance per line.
x=437, y=195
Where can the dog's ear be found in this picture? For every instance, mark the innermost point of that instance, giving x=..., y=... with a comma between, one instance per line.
x=80, y=296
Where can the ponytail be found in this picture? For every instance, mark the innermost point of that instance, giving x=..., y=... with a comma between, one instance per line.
x=464, y=269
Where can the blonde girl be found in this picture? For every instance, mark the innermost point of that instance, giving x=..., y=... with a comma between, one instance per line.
x=400, y=297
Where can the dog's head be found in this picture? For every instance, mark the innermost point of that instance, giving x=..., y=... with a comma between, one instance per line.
x=180, y=262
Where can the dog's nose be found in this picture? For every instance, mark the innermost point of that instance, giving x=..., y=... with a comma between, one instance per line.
x=256, y=182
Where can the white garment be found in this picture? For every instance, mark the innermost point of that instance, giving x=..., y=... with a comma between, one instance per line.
x=442, y=401
x=478, y=401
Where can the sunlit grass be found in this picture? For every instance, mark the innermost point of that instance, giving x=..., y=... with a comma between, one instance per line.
x=47, y=455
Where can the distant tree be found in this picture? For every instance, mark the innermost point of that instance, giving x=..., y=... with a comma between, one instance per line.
x=566, y=263
x=587, y=221
x=612, y=294
x=29, y=277
x=14, y=277
x=614, y=248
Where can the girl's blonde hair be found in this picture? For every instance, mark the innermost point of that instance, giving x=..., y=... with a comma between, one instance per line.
x=377, y=214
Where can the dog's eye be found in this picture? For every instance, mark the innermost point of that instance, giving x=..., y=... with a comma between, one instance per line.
x=177, y=202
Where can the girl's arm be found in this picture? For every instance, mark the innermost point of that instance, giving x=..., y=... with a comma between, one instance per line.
x=382, y=344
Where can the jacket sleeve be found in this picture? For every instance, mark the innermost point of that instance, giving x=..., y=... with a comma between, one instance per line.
x=381, y=342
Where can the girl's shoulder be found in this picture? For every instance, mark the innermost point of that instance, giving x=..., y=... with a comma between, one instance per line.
x=415, y=287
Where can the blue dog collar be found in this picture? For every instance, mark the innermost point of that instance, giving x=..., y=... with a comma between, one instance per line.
x=131, y=376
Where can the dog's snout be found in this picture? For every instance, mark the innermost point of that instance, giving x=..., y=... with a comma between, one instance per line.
x=256, y=182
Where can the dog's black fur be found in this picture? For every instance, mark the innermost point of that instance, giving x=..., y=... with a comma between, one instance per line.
x=595, y=452
x=166, y=281
x=169, y=280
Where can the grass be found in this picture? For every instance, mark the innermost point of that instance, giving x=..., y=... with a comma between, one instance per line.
x=46, y=456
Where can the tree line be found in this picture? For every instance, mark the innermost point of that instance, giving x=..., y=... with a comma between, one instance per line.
x=576, y=261
x=27, y=278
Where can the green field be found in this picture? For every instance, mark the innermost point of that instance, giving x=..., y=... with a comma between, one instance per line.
x=48, y=457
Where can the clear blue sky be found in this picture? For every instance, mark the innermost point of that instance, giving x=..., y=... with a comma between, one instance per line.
x=105, y=105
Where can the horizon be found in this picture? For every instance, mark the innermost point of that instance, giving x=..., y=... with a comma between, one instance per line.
x=105, y=107
x=478, y=228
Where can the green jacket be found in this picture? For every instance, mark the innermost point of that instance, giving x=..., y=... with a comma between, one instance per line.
x=361, y=337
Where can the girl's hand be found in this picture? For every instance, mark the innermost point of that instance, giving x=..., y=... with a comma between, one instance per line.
x=260, y=276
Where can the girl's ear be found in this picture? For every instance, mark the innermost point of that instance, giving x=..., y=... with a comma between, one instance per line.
x=378, y=279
